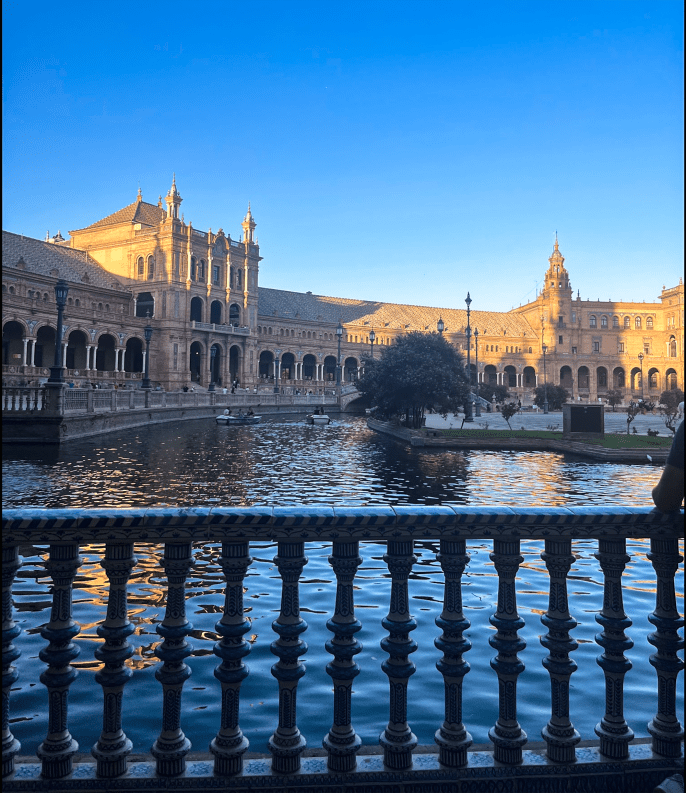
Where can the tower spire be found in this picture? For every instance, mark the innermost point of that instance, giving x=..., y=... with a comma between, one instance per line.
x=173, y=200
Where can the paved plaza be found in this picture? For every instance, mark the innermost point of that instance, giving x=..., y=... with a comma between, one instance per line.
x=531, y=420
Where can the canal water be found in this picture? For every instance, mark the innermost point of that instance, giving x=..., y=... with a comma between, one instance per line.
x=283, y=462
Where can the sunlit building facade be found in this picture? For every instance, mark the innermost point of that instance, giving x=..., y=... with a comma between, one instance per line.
x=212, y=321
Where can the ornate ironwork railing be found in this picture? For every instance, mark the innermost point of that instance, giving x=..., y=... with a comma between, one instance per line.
x=613, y=764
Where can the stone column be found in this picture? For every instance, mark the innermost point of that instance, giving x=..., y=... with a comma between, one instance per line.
x=88, y=357
x=23, y=354
x=64, y=355
x=33, y=352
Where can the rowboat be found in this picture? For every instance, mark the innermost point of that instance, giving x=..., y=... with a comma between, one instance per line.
x=238, y=421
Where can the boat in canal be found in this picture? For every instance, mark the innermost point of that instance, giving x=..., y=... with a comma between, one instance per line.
x=239, y=420
x=319, y=419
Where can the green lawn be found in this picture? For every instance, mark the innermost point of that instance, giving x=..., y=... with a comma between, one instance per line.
x=623, y=441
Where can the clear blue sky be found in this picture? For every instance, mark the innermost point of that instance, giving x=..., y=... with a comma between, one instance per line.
x=392, y=150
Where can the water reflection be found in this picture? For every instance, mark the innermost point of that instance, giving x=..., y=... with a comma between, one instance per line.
x=281, y=463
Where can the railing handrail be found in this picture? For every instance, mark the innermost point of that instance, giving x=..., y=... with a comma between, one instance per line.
x=305, y=523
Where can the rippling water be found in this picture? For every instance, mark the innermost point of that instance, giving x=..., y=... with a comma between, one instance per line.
x=279, y=462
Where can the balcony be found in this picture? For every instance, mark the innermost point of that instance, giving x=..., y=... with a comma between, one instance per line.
x=614, y=763
x=226, y=329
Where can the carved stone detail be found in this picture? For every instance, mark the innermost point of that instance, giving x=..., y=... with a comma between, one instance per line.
x=287, y=744
x=113, y=746
x=342, y=742
x=452, y=737
x=397, y=739
x=58, y=748
x=11, y=562
x=667, y=731
x=229, y=745
x=613, y=731
x=172, y=746
x=507, y=735
x=559, y=733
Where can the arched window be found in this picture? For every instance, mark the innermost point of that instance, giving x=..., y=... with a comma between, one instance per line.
x=77, y=302
x=672, y=347
x=141, y=267
x=627, y=322
x=530, y=349
x=592, y=321
x=637, y=323
x=193, y=268
x=151, y=267
x=603, y=321
x=649, y=323
x=201, y=270
x=615, y=322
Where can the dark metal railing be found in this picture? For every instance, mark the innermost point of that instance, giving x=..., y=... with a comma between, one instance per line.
x=66, y=531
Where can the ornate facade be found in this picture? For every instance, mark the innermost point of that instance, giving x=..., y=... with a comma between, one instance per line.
x=200, y=292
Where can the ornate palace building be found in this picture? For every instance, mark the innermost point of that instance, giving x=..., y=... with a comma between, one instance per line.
x=200, y=292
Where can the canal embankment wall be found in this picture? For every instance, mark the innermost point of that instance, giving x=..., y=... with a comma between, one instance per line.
x=42, y=429
x=434, y=439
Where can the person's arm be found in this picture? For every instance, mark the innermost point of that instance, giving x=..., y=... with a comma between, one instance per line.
x=669, y=491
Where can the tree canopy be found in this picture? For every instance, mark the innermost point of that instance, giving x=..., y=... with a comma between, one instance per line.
x=487, y=390
x=557, y=396
x=420, y=372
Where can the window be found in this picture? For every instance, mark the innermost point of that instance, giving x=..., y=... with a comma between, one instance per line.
x=215, y=274
x=530, y=349
x=615, y=322
x=573, y=317
x=151, y=268
x=627, y=322
x=176, y=356
x=193, y=269
x=637, y=323
x=649, y=322
x=620, y=347
x=560, y=320
x=141, y=267
x=201, y=270
x=559, y=340
x=592, y=321
x=77, y=302
x=573, y=350
x=672, y=347
x=646, y=348
x=596, y=346
x=603, y=321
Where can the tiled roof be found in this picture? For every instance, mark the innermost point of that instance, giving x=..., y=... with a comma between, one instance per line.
x=42, y=257
x=138, y=212
x=277, y=303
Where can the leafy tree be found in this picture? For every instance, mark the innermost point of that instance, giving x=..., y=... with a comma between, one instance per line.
x=486, y=391
x=631, y=412
x=672, y=398
x=614, y=397
x=557, y=396
x=508, y=410
x=421, y=372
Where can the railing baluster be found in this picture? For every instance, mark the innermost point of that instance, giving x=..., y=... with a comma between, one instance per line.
x=229, y=745
x=398, y=740
x=559, y=733
x=665, y=728
x=171, y=748
x=113, y=746
x=287, y=744
x=507, y=735
x=58, y=748
x=342, y=742
x=452, y=737
x=11, y=562
x=613, y=731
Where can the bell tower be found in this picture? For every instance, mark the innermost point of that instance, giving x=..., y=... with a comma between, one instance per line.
x=557, y=292
x=173, y=200
x=248, y=228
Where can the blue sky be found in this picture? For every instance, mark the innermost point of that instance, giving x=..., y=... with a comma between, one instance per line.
x=391, y=150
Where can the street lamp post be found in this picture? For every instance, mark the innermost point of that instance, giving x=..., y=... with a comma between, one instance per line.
x=545, y=382
x=477, y=409
x=640, y=358
x=213, y=355
x=372, y=338
x=468, y=406
x=147, y=333
x=56, y=370
x=339, y=336
x=441, y=325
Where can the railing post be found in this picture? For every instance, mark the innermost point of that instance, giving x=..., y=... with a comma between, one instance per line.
x=613, y=731
x=113, y=400
x=171, y=748
x=398, y=740
x=11, y=562
x=665, y=728
x=58, y=748
x=229, y=745
x=287, y=744
x=452, y=738
x=507, y=735
x=342, y=742
x=90, y=407
x=559, y=733
x=113, y=746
